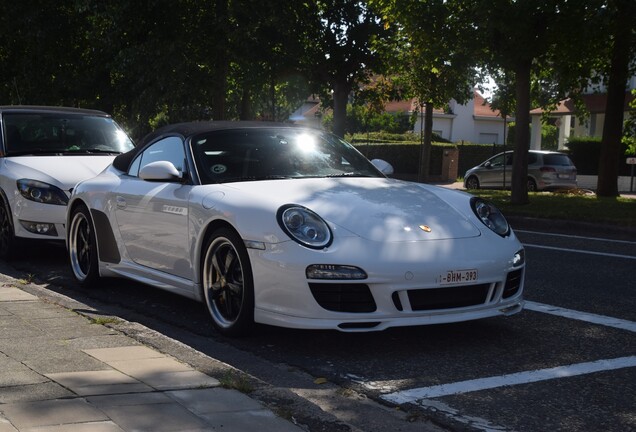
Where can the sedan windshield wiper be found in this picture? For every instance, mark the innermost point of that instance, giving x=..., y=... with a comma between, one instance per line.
x=32, y=152
x=57, y=152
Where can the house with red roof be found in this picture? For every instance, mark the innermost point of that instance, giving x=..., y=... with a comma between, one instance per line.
x=474, y=122
x=571, y=125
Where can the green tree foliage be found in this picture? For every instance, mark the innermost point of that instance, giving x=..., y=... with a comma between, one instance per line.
x=42, y=53
x=629, y=132
x=437, y=57
x=524, y=40
x=348, y=45
x=616, y=61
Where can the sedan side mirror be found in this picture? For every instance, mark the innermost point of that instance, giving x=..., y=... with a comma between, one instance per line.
x=384, y=167
x=160, y=171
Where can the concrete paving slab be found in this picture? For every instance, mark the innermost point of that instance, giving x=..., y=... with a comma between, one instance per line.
x=63, y=360
x=155, y=417
x=49, y=413
x=34, y=392
x=91, y=383
x=22, y=376
x=101, y=341
x=35, y=310
x=214, y=400
x=9, y=294
x=88, y=378
x=261, y=420
x=178, y=380
x=129, y=399
x=80, y=427
x=11, y=329
x=145, y=367
x=72, y=321
x=123, y=353
x=5, y=426
x=84, y=331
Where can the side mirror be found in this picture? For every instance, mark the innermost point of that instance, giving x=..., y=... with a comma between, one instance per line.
x=487, y=164
x=160, y=171
x=382, y=165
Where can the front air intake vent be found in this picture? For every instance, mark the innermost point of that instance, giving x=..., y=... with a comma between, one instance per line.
x=340, y=297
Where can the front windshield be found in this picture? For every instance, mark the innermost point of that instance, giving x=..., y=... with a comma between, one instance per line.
x=271, y=153
x=61, y=133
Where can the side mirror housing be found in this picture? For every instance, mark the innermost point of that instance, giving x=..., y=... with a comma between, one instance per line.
x=382, y=165
x=160, y=171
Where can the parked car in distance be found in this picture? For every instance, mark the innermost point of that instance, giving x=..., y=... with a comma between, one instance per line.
x=44, y=153
x=293, y=227
x=547, y=170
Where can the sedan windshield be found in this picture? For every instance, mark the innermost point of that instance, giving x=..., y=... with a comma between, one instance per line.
x=274, y=153
x=60, y=133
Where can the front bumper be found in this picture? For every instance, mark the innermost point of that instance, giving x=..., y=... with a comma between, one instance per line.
x=404, y=285
x=28, y=214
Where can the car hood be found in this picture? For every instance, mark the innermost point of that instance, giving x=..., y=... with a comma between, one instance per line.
x=61, y=171
x=377, y=209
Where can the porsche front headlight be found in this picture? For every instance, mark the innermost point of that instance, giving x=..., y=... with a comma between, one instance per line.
x=490, y=216
x=41, y=192
x=304, y=226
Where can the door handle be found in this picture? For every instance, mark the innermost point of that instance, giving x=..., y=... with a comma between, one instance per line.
x=121, y=202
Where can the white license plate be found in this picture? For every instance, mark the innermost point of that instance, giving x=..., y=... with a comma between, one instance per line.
x=458, y=276
x=564, y=176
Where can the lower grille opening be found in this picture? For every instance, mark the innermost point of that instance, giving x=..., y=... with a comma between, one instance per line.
x=360, y=325
x=449, y=297
x=341, y=297
x=513, y=283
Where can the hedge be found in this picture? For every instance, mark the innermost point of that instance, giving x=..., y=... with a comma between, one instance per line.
x=586, y=152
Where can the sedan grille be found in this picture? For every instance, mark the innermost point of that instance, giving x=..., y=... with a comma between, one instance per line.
x=343, y=297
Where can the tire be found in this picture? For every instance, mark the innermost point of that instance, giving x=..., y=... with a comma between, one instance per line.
x=532, y=185
x=472, y=183
x=10, y=246
x=82, y=247
x=228, y=284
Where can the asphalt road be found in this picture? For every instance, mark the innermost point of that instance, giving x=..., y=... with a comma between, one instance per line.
x=566, y=363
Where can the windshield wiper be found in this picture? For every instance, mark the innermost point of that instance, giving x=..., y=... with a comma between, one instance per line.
x=251, y=178
x=92, y=151
x=38, y=151
x=351, y=174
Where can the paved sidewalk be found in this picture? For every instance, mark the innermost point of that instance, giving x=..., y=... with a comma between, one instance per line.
x=60, y=372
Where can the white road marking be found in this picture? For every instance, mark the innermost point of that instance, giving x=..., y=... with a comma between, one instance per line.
x=576, y=237
x=581, y=251
x=582, y=316
x=479, y=384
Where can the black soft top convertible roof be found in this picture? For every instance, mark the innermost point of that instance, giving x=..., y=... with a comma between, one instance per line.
x=186, y=130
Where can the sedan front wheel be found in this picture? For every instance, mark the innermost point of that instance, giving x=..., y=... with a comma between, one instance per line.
x=228, y=285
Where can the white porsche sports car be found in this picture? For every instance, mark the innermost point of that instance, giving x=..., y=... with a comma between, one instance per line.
x=291, y=227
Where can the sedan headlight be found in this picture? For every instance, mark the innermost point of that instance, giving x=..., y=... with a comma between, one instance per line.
x=304, y=226
x=490, y=216
x=41, y=192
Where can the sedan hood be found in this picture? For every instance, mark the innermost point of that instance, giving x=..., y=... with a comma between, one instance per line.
x=377, y=209
x=61, y=171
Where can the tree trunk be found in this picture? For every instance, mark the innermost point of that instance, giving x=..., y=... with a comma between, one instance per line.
x=614, y=110
x=340, y=98
x=426, y=143
x=519, y=182
x=246, y=106
x=221, y=63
